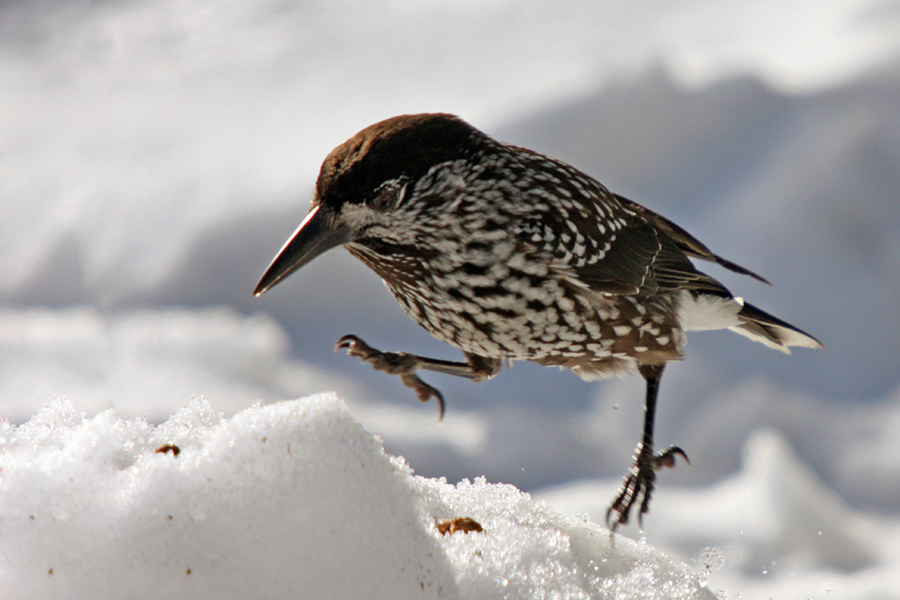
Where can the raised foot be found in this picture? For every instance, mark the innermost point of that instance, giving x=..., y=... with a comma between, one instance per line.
x=402, y=364
x=638, y=484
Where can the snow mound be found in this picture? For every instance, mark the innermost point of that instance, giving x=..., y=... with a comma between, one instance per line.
x=774, y=529
x=285, y=500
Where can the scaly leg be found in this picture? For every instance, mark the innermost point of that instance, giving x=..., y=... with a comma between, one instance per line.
x=477, y=368
x=639, y=481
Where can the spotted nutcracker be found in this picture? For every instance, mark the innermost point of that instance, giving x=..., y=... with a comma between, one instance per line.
x=508, y=254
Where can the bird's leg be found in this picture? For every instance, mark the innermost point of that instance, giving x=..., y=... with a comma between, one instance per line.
x=639, y=481
x=405, y=365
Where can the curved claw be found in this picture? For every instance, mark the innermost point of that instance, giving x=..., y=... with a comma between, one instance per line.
x=636, y=483
x=355, y=346
x=401, y=364
x=639, y=484
x=424, y=391
x=666, y=458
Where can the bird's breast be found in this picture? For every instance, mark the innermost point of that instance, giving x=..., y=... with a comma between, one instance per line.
x=501, y=298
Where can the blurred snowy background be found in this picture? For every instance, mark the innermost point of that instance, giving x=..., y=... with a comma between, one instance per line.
x=155, y=155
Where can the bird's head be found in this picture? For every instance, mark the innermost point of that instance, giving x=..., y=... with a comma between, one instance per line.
x=374, y=187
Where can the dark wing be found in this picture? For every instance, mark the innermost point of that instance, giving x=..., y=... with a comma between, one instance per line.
x=685, y=241
x=613, y=245
x=633, y=256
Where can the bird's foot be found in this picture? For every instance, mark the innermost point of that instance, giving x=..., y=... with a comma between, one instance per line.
x=402, y=364
x=638, y=484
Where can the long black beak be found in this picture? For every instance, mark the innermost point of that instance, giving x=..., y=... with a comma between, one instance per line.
x=311, y=239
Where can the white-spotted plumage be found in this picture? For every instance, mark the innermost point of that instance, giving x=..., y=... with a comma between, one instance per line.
x=509, y=254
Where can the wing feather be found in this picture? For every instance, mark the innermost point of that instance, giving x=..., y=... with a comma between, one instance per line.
x=613, y=245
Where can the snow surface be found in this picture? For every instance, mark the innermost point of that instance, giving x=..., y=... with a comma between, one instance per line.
x=156, y=155
x=290, y=500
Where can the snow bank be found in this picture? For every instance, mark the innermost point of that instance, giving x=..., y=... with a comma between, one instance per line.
x=773, y=530
x=292, y=499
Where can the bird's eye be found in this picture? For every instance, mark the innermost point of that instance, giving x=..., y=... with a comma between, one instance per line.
x=387, y=195
x=384, y=200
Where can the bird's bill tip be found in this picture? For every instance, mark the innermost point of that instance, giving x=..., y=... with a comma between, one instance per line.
x=312, y=238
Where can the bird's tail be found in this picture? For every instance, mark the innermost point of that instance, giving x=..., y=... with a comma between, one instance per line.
x=762, y=327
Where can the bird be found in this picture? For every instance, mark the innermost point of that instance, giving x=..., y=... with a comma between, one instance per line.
x=511, y=255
